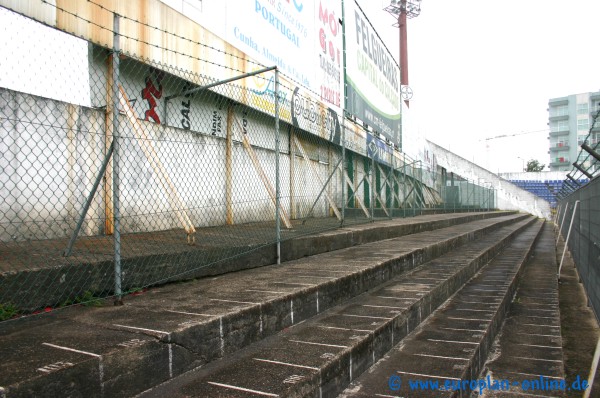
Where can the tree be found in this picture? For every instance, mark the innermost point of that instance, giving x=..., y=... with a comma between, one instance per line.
x=533, y=166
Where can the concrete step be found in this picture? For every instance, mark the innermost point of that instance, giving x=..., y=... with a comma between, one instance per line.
x=31, y=271
x=319, y=357
x=529, y=345
x=449, y=349
x=121, y=351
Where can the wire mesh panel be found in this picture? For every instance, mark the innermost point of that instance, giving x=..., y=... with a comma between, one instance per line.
x=53, y=146
x=583, y=207
x=133, y=173
x=122, y=166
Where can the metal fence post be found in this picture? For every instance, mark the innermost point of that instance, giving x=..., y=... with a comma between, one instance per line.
x=557, y=216
x=116, y=160
x=89, y=200
x=372, y=188
x=389, y=182
x=403, y=187
x=277, y=174
x=562, y=222
x=421, y=188
x=343, y=174
x=567, y=240
x=455, y=195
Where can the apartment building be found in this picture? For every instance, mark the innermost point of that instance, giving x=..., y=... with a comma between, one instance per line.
x=570, y=119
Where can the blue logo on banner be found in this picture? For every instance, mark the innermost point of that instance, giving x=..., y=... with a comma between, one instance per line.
x=378, y=149
x=299, y=7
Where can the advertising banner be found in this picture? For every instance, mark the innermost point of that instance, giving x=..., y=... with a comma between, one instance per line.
x=372, y=76
x=378, y=150
x=219, y=40
x=302, y=37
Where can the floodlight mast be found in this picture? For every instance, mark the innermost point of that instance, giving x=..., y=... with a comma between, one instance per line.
x=404, y=9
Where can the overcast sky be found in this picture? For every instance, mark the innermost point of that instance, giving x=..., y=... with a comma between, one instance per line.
x=482, y=68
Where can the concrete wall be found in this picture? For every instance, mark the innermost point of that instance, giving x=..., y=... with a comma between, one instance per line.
x=52, y=153
x=49, y=156
x=509, y=196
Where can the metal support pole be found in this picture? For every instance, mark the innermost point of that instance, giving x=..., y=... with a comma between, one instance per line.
x=422, y=196
x=404, y=187
x=562, y=223
x=557, y=216
x=455, y=195
x=390, y=185
x=343, y=174
x=277, y=182
x=403, y=47
x=229, y=167
x=88, y=202
x=312, y=208
x=468, y=197
x=116, y=160
x=591, y=151
x=372, y=188
x=582, y=170
x=472, y=200
x=232, y=79
x=567, y=240
x=576, y=183
x=344, y=203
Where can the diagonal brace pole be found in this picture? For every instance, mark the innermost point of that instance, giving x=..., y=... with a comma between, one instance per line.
x=156, y=164
x=263, y=176
x=357, y=198
x=335, y=169
x=88, y=202
x=220, y=82
x=317, y=177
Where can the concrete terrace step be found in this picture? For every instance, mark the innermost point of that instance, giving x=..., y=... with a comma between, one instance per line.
x=148, y=257
x=121, y=351
x=529, y=346
x=319, y=357
x=452, y=344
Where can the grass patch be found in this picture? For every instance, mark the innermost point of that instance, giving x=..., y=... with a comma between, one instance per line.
x=8, y=311
x=87, y=299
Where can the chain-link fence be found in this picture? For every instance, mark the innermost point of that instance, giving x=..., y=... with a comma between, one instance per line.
x=120, y=171
x=587, y=165
x=446, y=191
x=579, y=222
x=578, y=211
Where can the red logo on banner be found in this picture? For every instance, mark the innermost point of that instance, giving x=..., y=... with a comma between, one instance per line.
x=151, y=93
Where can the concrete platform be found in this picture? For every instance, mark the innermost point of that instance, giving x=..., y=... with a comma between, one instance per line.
x=531, y=333
x=35, y=274
x=121, y=351
x=320, y=356
x=450, y=347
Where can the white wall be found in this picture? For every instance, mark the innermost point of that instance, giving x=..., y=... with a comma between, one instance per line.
x=509, y=196
x=52, y=152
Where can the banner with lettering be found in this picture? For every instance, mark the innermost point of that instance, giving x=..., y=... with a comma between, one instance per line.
x=372, y=76
x=302, y=37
